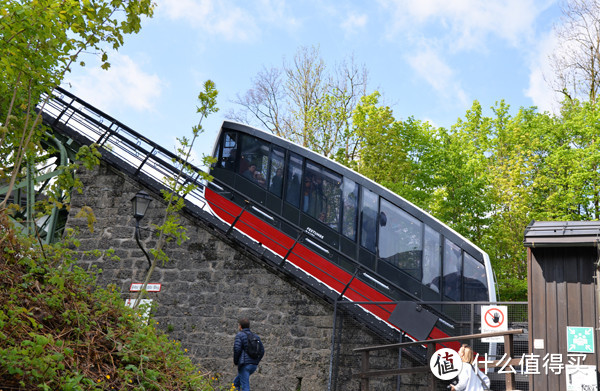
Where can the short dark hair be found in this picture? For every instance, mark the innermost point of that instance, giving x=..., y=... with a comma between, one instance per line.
x=245, y=323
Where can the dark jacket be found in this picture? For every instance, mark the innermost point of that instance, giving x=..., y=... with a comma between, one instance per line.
x=240, y=356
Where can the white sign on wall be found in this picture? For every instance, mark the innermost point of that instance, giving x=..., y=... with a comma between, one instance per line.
x=137, y=286
x=581, y=377
x=494, y=318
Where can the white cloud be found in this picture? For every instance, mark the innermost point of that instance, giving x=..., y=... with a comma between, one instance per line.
x=213, y=17
x=429, y=65
x=354, y=23
x=467, y=23
x=124, y=84
x=541, y=76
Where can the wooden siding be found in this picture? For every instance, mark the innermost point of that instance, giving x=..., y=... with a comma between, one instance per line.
x=561, y=294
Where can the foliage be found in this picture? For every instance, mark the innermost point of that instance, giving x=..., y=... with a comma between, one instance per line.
x=59, y=331
x=305, y=102
x=40, y=40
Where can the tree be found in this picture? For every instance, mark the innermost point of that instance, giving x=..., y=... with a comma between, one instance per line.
x=171, y=228
x=576, y=62
x=40, y=40
x=304, y=103
x=399, y=155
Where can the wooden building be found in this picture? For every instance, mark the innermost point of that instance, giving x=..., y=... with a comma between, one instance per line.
x=562, y=260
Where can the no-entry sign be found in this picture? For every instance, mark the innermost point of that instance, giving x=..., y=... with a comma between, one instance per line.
x=494, y=318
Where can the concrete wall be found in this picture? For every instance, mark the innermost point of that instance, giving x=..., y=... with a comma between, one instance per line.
x=208, y=285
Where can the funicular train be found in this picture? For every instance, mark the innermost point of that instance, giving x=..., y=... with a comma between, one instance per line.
x=350, y=223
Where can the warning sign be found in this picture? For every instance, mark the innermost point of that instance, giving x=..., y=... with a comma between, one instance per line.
x=494, y=318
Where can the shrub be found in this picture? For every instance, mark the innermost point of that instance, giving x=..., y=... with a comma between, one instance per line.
x=58, y=330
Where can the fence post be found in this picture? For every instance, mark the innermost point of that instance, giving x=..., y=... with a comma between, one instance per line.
x=364, y=367
x=508, y=349
x=432, y=378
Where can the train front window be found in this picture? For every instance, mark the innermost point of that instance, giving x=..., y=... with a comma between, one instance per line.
x=452, y=270
x=227, y=157
x=292, y=180
x=432, y=259
x=254, y=160
x=276, y=173
x=368, y=220
x=400, y=239
x=350, y=197
x=474, y=280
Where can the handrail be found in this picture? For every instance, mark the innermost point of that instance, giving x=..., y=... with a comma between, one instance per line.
x=366, y=373
x=438, y=340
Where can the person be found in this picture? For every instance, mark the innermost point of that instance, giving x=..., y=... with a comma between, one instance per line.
x=249, y=173
x=259, y=178
x=246, y=364
x=467, y=378
x=277, y=182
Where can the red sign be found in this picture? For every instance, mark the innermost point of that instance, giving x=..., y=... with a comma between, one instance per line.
x=494, y=317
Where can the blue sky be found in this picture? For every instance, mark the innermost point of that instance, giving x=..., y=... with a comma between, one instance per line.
x=430, y=59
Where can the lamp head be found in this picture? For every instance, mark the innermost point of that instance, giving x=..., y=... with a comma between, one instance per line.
x=140, y=204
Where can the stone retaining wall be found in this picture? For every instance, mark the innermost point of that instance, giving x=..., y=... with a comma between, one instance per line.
x=208, y=285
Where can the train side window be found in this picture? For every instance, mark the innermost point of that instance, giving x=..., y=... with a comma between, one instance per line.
x=368, y=220
x=432, y=259
x=254, y=160
x=350, y=212
x=452, y=270
x=474, y=280
x=276, y=172
x=228, y=152
x=400, y=239
x=292, y=180
x=321, y=195
x=333, y=199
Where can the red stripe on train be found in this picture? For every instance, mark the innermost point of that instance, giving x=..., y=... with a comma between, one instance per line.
x=305, y=259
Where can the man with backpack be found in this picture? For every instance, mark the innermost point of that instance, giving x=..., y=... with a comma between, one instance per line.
x=248, y=350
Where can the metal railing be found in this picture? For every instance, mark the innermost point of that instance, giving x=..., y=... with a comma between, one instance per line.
x=366, y=373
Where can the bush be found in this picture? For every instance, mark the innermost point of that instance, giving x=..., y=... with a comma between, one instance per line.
x=58, y=330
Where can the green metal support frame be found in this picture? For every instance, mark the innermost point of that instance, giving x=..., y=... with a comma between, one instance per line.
x=49, y=229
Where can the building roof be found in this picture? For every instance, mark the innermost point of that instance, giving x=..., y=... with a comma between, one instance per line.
x=562, y=233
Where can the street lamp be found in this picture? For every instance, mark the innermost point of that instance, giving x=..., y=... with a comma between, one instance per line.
x=140, y=204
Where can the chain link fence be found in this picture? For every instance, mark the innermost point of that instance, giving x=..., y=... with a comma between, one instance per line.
x=456, y=318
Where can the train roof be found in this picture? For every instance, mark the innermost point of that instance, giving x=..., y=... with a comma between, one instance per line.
x=399, y=201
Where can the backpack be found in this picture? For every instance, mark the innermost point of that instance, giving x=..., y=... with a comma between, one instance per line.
x=254, y=347
x=483, y=378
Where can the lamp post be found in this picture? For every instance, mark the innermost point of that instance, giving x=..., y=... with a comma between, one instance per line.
x=140, y=204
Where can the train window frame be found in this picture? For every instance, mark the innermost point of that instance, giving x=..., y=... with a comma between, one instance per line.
x=273, y=168
x=432, y=266
x=372, y=229
x=290, y=174
x=321, y=195
x=468, y=261
x=254, y=151
x=452, y=289
x=400, y=239
x=350, y=228
x=231, y=161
